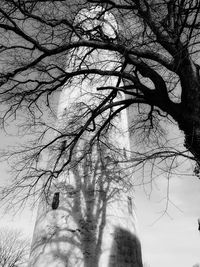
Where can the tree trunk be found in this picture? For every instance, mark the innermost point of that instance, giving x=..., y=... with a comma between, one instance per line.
x=189, y=117
x=187, y=112
x=89, y=242
x=90, y=261
x=90, y=256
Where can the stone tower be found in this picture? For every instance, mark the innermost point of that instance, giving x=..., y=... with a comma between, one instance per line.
x=89, y=218
x=66, y=234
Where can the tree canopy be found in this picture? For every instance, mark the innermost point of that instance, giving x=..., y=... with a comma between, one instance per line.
x=120, y=54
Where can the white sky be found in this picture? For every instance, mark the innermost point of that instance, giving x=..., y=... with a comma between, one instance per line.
x=171, y=241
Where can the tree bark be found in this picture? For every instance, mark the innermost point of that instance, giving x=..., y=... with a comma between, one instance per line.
x=91, y=258
x=189, y=117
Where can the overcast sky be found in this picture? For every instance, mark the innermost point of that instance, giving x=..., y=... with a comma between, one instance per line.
x=171, y=241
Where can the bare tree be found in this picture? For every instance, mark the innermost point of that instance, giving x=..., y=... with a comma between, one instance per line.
x=140, y=55
x=154, y=63
x=14, y=248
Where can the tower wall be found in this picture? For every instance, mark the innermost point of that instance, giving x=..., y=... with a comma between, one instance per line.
x=63, y=236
